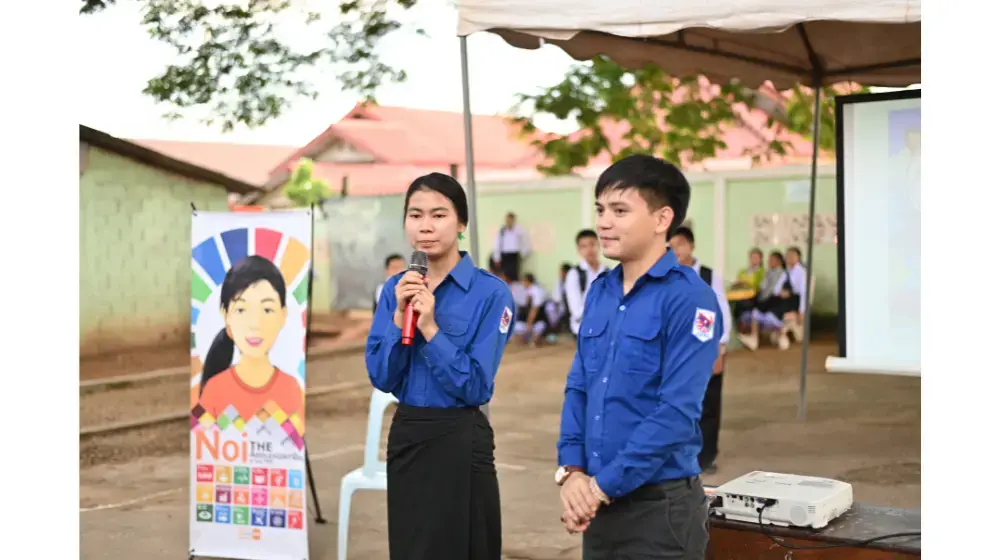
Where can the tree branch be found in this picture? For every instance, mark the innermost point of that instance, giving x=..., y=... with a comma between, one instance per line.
x=234, y=69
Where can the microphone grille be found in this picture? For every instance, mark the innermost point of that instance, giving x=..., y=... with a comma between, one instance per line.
x=418, y=261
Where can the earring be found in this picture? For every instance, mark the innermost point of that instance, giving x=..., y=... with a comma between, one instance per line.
x=461, y=235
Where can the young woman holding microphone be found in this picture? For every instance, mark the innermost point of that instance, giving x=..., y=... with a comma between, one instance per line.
x=443, y=497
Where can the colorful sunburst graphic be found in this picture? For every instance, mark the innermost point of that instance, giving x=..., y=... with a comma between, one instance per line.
x=210, y=261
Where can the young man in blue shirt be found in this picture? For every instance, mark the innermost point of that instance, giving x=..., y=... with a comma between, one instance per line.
x=629, y=435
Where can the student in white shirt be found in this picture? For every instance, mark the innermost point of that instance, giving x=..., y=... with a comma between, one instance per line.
x=394, y=264
x=529, y=298
x=510, y=247
x=795, y=308
x=682, y=243
x=797, y=276
x=580, y=277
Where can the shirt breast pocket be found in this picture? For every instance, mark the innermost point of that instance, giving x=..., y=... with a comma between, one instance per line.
x=591, y=335
x=642, y=346
x=455, y=328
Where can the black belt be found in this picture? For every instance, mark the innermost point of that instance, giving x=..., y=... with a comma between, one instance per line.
x=657, y=490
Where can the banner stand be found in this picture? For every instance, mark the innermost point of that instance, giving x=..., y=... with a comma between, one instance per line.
x=268, y=255
x=312, y=248
x=312, y=490
x=312, y=266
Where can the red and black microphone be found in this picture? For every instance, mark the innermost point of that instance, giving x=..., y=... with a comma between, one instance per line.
x=418, y=262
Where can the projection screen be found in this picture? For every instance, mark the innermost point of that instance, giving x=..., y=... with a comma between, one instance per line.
x=878, y=237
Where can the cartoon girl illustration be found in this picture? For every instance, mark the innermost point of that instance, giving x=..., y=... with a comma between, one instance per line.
x=253, y=308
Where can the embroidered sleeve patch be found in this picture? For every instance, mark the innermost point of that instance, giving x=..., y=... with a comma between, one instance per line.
x=505, y=320
x=704, y=324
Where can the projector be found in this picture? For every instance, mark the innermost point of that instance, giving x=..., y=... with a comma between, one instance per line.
x=800, y=501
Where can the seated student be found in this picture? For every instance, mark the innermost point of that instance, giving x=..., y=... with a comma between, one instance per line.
x=394, y=264
x=530, y=298
x=795, y=306
x=774, y=284
x=753, y=274
x=556, y=308
x=781, y=315
x=750, y=277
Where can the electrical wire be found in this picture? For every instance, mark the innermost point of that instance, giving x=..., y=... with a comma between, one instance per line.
x=850, y=544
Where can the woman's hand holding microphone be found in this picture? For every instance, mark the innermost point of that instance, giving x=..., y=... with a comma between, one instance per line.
x=413, y=287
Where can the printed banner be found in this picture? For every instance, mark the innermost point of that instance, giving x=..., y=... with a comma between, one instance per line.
x=249, y=288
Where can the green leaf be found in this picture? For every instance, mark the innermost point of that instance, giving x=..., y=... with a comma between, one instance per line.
x=302, y=189
x=235, y=70
x=663, y=115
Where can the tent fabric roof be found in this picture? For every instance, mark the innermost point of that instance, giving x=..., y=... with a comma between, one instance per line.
x=875, y=42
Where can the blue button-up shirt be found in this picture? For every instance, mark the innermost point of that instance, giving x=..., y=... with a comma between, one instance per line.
x=634, y=391
x=474, y=311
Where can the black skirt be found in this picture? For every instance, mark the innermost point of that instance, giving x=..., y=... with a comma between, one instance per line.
x=443, y=495
x=780, y=305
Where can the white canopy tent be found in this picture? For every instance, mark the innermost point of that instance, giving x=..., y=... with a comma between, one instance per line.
x=789, y=42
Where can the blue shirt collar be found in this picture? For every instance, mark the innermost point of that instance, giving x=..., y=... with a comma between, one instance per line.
x=660, y=268
x=463, y=271
x=666, y=263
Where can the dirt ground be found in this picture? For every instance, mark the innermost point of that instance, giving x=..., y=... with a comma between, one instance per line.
x=861, y=429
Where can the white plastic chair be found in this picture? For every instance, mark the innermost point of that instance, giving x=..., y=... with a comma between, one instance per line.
x=372, y=473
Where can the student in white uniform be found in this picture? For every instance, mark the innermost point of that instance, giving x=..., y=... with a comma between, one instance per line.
x=510, y=248
x=580, y=277
x=530, y=298
x=394, y=264
x=682, y=243
x=555, y=308
x=795, y=310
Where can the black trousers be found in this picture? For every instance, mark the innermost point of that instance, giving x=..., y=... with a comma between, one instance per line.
x=510, y=265
x=711, y=421
x=443, y=496
x=666, y=521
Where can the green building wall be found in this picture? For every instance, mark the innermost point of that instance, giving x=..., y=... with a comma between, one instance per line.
x=135, y=250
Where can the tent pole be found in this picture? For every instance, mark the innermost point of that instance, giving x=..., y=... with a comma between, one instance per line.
x=470, y=174
x=807, y=318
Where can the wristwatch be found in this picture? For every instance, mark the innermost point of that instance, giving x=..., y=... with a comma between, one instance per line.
x=562, y=473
